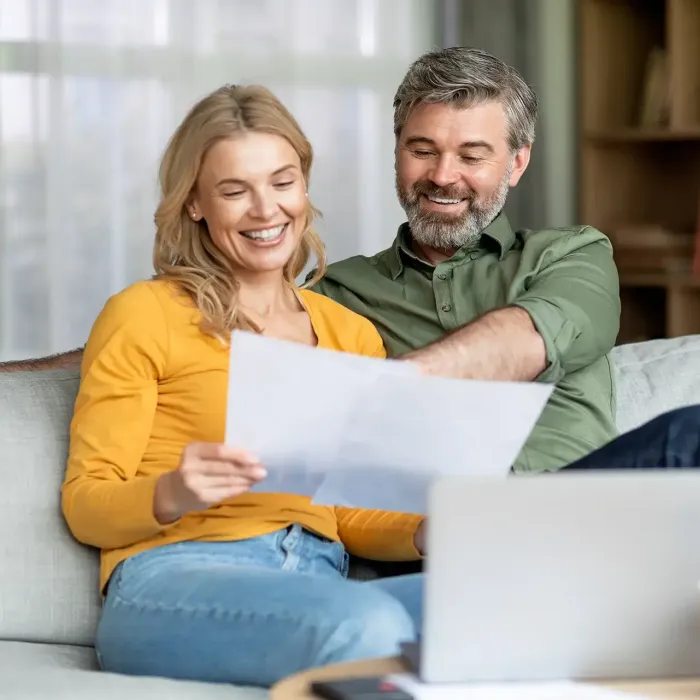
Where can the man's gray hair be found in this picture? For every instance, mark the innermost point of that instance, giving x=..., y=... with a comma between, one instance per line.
x=463, y=77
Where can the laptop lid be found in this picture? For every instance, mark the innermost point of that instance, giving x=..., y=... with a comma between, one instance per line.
x=578, y=576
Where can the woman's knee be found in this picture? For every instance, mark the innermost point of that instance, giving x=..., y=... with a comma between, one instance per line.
x=298, y=623
x=366, y=623
x=408, y=590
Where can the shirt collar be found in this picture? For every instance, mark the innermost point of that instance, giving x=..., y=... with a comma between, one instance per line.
x=498, y=231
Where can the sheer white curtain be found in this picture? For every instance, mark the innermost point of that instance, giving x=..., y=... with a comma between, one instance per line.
x=91, y=90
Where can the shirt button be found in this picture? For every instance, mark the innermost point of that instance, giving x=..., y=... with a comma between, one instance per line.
x=446, y=308
x=442, y=276
x=473, y=256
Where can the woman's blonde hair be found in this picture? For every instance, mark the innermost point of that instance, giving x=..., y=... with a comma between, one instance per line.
x=184, y=252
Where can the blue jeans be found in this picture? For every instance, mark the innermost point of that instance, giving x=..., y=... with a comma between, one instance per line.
x=250, y=612
x=258, y=610
x=669, y=441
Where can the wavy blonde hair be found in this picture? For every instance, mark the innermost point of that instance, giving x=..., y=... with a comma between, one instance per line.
x=184, y=252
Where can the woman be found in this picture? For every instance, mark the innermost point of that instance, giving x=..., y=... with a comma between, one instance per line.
x=203, y=580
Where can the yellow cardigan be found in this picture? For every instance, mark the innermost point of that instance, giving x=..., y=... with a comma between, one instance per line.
x=151, y=383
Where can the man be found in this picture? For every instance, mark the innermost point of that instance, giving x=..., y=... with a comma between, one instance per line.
x=463, y=295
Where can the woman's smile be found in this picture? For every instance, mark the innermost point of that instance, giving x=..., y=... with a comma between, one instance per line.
x=266, y=237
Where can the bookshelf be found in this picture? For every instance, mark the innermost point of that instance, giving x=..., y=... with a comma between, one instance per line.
x=639, y=154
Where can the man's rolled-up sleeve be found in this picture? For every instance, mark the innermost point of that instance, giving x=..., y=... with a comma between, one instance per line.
x=573, y=298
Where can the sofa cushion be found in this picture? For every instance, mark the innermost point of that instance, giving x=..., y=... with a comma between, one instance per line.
x=654, y=377
x=55, y=671
x=49, y=588
x=49, y=583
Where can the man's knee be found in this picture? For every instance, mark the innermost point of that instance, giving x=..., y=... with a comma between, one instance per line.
x=685, y=418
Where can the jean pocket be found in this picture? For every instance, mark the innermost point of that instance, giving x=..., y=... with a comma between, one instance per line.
x=345, y=565
x=338, y=557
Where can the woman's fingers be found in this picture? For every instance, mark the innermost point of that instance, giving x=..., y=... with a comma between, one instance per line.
x=214, y=495
x=211, y=467
x=222, y=482
x=213, y=451
x=254, y=472
x=220, y=468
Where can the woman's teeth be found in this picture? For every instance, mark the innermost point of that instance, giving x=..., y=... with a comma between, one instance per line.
x=266, y=234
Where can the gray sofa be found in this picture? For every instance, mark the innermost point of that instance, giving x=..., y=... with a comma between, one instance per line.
x=49, y=602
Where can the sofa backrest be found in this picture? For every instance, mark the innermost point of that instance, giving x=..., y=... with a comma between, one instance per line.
x=49, y=589
x=655, y=377
x=49, y=582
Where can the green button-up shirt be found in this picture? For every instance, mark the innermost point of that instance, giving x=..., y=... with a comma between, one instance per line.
x=564, y=278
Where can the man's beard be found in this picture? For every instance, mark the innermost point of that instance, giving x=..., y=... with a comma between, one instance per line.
x=448, y=231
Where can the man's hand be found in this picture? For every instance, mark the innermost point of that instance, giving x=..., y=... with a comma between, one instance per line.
x=420, y=539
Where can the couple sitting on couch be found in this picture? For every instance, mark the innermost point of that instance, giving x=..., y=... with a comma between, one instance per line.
x=204, y=580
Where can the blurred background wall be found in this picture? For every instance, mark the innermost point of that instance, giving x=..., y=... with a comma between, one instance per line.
x=538, y=38
x=91, y=90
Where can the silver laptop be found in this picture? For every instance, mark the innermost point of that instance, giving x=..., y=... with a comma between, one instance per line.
x=566, y=576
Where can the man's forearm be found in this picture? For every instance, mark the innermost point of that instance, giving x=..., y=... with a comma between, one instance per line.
x=501, y=345
x=66, y=360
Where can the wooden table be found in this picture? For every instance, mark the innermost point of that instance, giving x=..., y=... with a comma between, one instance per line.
x=297, y=687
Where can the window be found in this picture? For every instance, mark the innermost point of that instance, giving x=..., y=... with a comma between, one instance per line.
x=90, y=92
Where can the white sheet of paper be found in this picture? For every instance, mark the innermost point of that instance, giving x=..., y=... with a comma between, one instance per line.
x=368, y=433
x=551, y=690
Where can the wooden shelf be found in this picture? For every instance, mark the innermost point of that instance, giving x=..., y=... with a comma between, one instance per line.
x=640, y=167
x=663, y=280
x=639, y=135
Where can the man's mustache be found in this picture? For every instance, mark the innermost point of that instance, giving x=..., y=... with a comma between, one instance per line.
x=430, y=189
